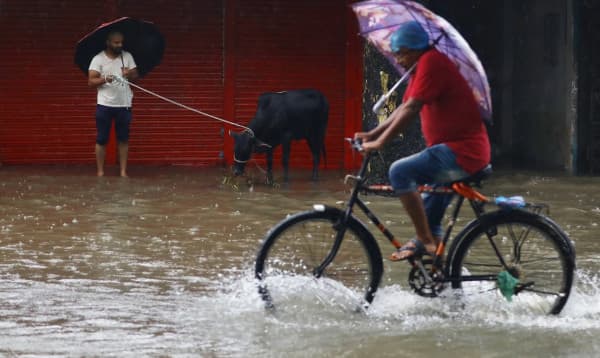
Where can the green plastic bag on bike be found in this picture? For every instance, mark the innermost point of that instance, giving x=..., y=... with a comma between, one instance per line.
x=507, y=284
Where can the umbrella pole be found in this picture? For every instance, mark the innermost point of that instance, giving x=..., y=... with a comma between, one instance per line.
x=387, y=95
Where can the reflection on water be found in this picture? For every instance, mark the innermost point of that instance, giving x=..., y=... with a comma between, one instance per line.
x=161, y=264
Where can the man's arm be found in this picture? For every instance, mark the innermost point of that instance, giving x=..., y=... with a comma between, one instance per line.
x=95, y=79
x=375, y=132
x=130, y=74
x=396, y=123
x=129, y=70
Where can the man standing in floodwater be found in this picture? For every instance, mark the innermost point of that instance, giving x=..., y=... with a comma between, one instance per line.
x=114, y=97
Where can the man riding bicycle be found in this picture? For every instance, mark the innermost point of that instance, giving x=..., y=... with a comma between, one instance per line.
x=456, y=138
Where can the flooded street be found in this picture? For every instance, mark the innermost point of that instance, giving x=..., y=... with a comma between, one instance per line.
x=161, y=264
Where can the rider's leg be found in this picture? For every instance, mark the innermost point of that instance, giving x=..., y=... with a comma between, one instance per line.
x=435, y=207
x=436, y=164
x=413, y=204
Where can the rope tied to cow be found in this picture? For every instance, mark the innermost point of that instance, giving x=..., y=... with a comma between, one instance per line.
x=120, y=80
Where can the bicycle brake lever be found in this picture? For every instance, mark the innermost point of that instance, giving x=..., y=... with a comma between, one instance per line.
x=355, y=143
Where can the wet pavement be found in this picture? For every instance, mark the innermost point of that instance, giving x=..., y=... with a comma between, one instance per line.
x=160, y=264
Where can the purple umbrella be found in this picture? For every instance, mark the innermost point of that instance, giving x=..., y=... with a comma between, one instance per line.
x=379, y=19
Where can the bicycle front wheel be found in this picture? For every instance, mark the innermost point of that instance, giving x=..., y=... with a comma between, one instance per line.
x=292, y=253
x=527, y=246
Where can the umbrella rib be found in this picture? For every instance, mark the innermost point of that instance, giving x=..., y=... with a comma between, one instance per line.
x=373, y=29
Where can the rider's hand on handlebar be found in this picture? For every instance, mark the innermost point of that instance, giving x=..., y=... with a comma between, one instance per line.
x=371, y=146
x=362, y=136
x=366, y=142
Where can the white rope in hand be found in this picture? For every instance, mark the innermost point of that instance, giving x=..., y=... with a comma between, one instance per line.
x=120, y=80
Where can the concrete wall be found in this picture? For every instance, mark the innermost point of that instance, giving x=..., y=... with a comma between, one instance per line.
x=539, y=84
x=586, y=28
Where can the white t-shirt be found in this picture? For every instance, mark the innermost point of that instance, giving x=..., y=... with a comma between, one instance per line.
x=112, y=94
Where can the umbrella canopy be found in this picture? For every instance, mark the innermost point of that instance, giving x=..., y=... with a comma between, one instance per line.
x=141, y=38
x=379, y=19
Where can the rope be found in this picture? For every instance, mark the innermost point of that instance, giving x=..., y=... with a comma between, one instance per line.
x=122, y=80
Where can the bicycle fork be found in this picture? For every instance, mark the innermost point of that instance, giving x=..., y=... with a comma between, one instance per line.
x=340, y=228
x=342, y=224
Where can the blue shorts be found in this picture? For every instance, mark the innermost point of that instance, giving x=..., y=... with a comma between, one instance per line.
x=104, y=117
x=434, y=165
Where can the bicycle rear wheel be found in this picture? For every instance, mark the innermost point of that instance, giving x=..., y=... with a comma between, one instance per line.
x=296, y=247
x=534, y=251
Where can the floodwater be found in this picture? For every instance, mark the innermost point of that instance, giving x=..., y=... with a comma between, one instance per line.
x=160, y=265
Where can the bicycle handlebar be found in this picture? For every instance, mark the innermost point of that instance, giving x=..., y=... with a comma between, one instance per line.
x=356, y=144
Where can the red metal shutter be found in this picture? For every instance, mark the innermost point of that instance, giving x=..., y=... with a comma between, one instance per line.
x=47, y=110
x=191, y=73
x=282, y=45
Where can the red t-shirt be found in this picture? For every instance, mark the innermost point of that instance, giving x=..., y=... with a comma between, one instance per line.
x=450, y=114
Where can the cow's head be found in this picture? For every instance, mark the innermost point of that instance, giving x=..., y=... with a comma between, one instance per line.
x=244, y=144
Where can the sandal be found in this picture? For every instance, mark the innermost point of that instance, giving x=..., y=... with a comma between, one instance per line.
x=413, y=245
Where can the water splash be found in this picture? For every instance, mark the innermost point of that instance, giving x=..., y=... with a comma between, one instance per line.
x=397, y=306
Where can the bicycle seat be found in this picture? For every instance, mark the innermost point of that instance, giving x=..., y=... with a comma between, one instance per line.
x=477, y=178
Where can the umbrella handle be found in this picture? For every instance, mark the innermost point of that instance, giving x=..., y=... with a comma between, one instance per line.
x=379, y=103
x=385, y=96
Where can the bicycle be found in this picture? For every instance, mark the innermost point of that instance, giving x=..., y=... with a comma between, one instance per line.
x=512, y=251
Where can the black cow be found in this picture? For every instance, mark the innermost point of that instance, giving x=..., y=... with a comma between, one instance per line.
x=280, y=118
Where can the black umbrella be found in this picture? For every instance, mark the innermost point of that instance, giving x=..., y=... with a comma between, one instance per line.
x=141, y=38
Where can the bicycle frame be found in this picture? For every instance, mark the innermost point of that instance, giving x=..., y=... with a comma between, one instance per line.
x=460, y=189
x=495, y=247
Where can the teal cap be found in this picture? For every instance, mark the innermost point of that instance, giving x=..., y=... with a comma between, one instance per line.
x=410, y=35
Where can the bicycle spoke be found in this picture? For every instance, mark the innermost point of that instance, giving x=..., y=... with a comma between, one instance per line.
x=518, y=241
x=483, y=264
x=532, y=251
x=541, y=259
x=557, y=294
x=298, y=263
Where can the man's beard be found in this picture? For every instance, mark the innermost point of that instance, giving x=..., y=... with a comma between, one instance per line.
x=116, y=50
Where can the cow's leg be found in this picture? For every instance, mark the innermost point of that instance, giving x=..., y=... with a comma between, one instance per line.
x=270, y=166
x=315, y=149
x=285, y=157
